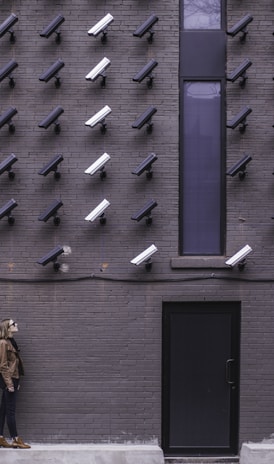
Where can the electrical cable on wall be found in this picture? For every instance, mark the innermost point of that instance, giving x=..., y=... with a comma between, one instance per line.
x=211, y=276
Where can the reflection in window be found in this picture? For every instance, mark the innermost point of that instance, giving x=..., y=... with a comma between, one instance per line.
x=201, y=217
x=202, y=14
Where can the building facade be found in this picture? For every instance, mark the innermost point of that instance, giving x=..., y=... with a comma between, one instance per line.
x=177, y=350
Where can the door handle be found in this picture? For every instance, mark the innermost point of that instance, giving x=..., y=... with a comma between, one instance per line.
x=228, y=371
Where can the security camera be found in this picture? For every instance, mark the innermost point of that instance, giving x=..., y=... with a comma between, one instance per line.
x=240, y=26
x=147, y=27
x=52, y=71
x=239, y=257
x=7, y=25
x=99, y=118
x=52, y=166
x=98, y=212
x=53, y=27
x=6, y=118
x=145, y=118
x=7, y=70
x=146, y=72
x=50, y=211
x=240, y=118
x=145, y=256
x=52, y=117
x=6, y=211
x=52, y=257
x=7, y=164
x=145, y=165
x=145, y=211
x=99, y=70
x=99, y=165
x=101, y=26
x=240, y=71
x=240, y=167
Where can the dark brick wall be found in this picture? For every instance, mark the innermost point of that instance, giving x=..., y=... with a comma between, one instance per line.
x=91, y=244
x=92, y=348
x=91, y=337
x=249, y=212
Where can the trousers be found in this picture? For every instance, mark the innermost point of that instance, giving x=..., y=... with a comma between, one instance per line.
x=8, y=410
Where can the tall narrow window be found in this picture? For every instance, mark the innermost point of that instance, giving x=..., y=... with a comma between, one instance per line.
x=202, y=127
x=202, y=168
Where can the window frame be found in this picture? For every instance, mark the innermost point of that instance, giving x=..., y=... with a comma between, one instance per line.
x=222, y=218
x=203, y=57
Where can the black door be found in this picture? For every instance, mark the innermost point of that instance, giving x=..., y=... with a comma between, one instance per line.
x=200, y=378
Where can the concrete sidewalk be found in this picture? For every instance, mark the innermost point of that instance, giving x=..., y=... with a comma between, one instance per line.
x=83, y=454
x=257, y=453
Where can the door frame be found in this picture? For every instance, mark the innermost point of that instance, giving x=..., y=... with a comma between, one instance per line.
x=234, y=308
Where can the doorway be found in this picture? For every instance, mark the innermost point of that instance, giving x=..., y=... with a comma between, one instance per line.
x=201, y=343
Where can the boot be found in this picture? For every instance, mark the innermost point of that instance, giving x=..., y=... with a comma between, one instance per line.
x=18, y=443
x=4, y=443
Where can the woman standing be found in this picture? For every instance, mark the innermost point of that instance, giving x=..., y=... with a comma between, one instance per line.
x=11, y=368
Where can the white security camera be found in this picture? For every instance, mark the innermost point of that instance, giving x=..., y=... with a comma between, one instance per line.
x=239, y=257
x=144, y=256
x=98, y=70
x=98, y=212
x=99, y=118
x=101, y=26
x=99, y=164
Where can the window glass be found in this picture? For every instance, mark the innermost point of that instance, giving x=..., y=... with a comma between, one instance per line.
x=202, y=14
x=201, y=173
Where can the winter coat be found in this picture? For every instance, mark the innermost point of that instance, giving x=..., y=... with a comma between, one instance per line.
x=9, y=362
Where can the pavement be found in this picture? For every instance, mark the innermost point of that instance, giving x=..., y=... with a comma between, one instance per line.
x=83, y=454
